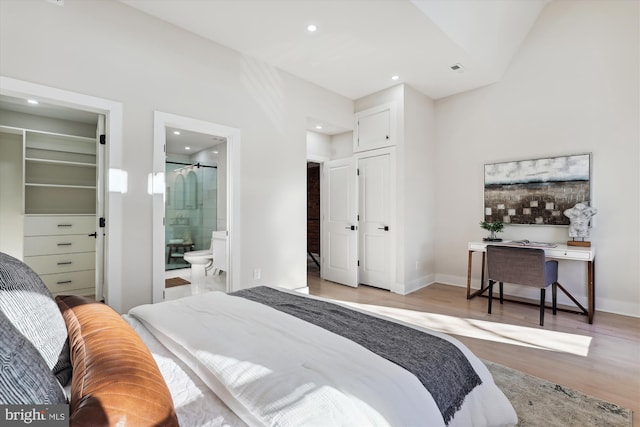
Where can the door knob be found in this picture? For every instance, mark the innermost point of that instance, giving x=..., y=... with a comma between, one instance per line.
x=353, y=227
x=94, y=235
x=385, y=228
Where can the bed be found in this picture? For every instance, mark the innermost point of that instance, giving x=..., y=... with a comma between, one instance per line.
x=260, y=356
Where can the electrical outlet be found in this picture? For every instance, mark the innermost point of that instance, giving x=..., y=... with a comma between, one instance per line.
x=256, y=274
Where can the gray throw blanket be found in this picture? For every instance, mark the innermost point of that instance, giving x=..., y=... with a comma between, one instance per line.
x=439, y=365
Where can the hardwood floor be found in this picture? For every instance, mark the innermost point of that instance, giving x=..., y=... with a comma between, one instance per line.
x=601, y=359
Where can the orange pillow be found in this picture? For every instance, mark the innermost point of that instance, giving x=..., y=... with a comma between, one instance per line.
x=115, y=379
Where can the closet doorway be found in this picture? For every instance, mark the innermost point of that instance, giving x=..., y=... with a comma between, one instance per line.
x=69, y=141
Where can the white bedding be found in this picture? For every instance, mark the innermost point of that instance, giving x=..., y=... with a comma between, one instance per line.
x=274, y=369
x=195, y=403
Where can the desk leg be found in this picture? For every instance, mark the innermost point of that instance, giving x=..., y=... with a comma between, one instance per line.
x=482, y=284
x=591, y=283
x=484, y=261
x=469, y=275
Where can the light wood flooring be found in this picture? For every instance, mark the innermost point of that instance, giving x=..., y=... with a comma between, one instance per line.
x=601, y=359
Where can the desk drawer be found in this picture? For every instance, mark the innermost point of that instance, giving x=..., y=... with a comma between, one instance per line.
x=576, y=254
x=59, y=224
x=49, y=264
x=50, y=245
x=477, y=247
x=70, y=283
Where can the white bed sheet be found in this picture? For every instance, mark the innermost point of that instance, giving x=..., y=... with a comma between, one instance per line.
x=485, y=405
x=195, y=403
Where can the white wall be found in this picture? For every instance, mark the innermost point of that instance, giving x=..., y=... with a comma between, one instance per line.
x=318, y=146
x=109, y=50
x=419, y=175
x=573, y=88
x=342, y=145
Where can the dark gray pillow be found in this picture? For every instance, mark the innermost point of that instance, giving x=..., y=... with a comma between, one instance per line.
x=25, y=377
x=29, y=306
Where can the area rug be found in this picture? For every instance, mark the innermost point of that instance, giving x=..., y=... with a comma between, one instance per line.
x=541, y=403
x=175, y=281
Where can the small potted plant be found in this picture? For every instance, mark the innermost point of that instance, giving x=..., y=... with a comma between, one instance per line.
x=493, y=228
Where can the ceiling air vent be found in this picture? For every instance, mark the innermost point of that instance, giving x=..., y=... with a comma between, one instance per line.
x=457, y=67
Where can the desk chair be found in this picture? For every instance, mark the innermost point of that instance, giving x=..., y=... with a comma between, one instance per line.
x=522, y=266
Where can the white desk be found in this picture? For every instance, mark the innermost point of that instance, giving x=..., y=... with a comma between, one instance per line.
x=561, y=252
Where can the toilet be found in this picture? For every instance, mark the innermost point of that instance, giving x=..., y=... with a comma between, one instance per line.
x=203, y=261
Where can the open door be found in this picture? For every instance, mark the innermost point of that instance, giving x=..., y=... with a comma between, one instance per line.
x=340, y=222
x=100, y=207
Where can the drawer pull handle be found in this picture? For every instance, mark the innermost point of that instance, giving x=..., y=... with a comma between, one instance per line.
x=63, y=282
x=64, y=244
x=64, y=263
x=65, y=225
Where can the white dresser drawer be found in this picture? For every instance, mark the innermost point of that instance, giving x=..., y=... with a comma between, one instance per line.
x=70, y=283
x=49, y=264
x=577, y=254
x=59, y=224
x=83, y=291
x=49, y=245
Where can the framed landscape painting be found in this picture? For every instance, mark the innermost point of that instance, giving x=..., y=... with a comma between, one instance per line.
x=536, y=191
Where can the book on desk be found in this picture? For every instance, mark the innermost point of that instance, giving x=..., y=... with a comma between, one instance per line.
x=528, y=243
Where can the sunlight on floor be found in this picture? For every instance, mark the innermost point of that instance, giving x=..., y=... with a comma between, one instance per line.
x=211, y=282
x=542, y=339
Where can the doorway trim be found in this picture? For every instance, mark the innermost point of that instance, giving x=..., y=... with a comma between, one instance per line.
x=161, y=121
x=114, y=185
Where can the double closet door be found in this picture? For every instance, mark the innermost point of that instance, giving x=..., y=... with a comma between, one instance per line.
x=358, y=219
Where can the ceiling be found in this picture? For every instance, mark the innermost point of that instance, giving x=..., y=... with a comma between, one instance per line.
x=178, y=143
x=46, y=110
x=359, y=45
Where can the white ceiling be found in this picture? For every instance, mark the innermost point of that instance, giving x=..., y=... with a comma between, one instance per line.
x=47, y=110
x=360, y=44
x=176, y=144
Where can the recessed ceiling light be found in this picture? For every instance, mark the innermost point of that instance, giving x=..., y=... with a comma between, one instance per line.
x=318, y=127
x=312, y=28
x=187, y=148
x=176, y=132
x=395, y=77
x=32, y=101
x=214, y=152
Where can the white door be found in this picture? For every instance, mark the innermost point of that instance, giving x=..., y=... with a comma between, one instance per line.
x=101, y=293
x=376, y=255
x=340, y=227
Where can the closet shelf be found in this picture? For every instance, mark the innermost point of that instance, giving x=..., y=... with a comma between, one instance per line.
x=59, y=162
x=85, y=187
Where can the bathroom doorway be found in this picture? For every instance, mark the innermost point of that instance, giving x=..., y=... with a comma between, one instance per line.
x=195, y=212
x=195, y=170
